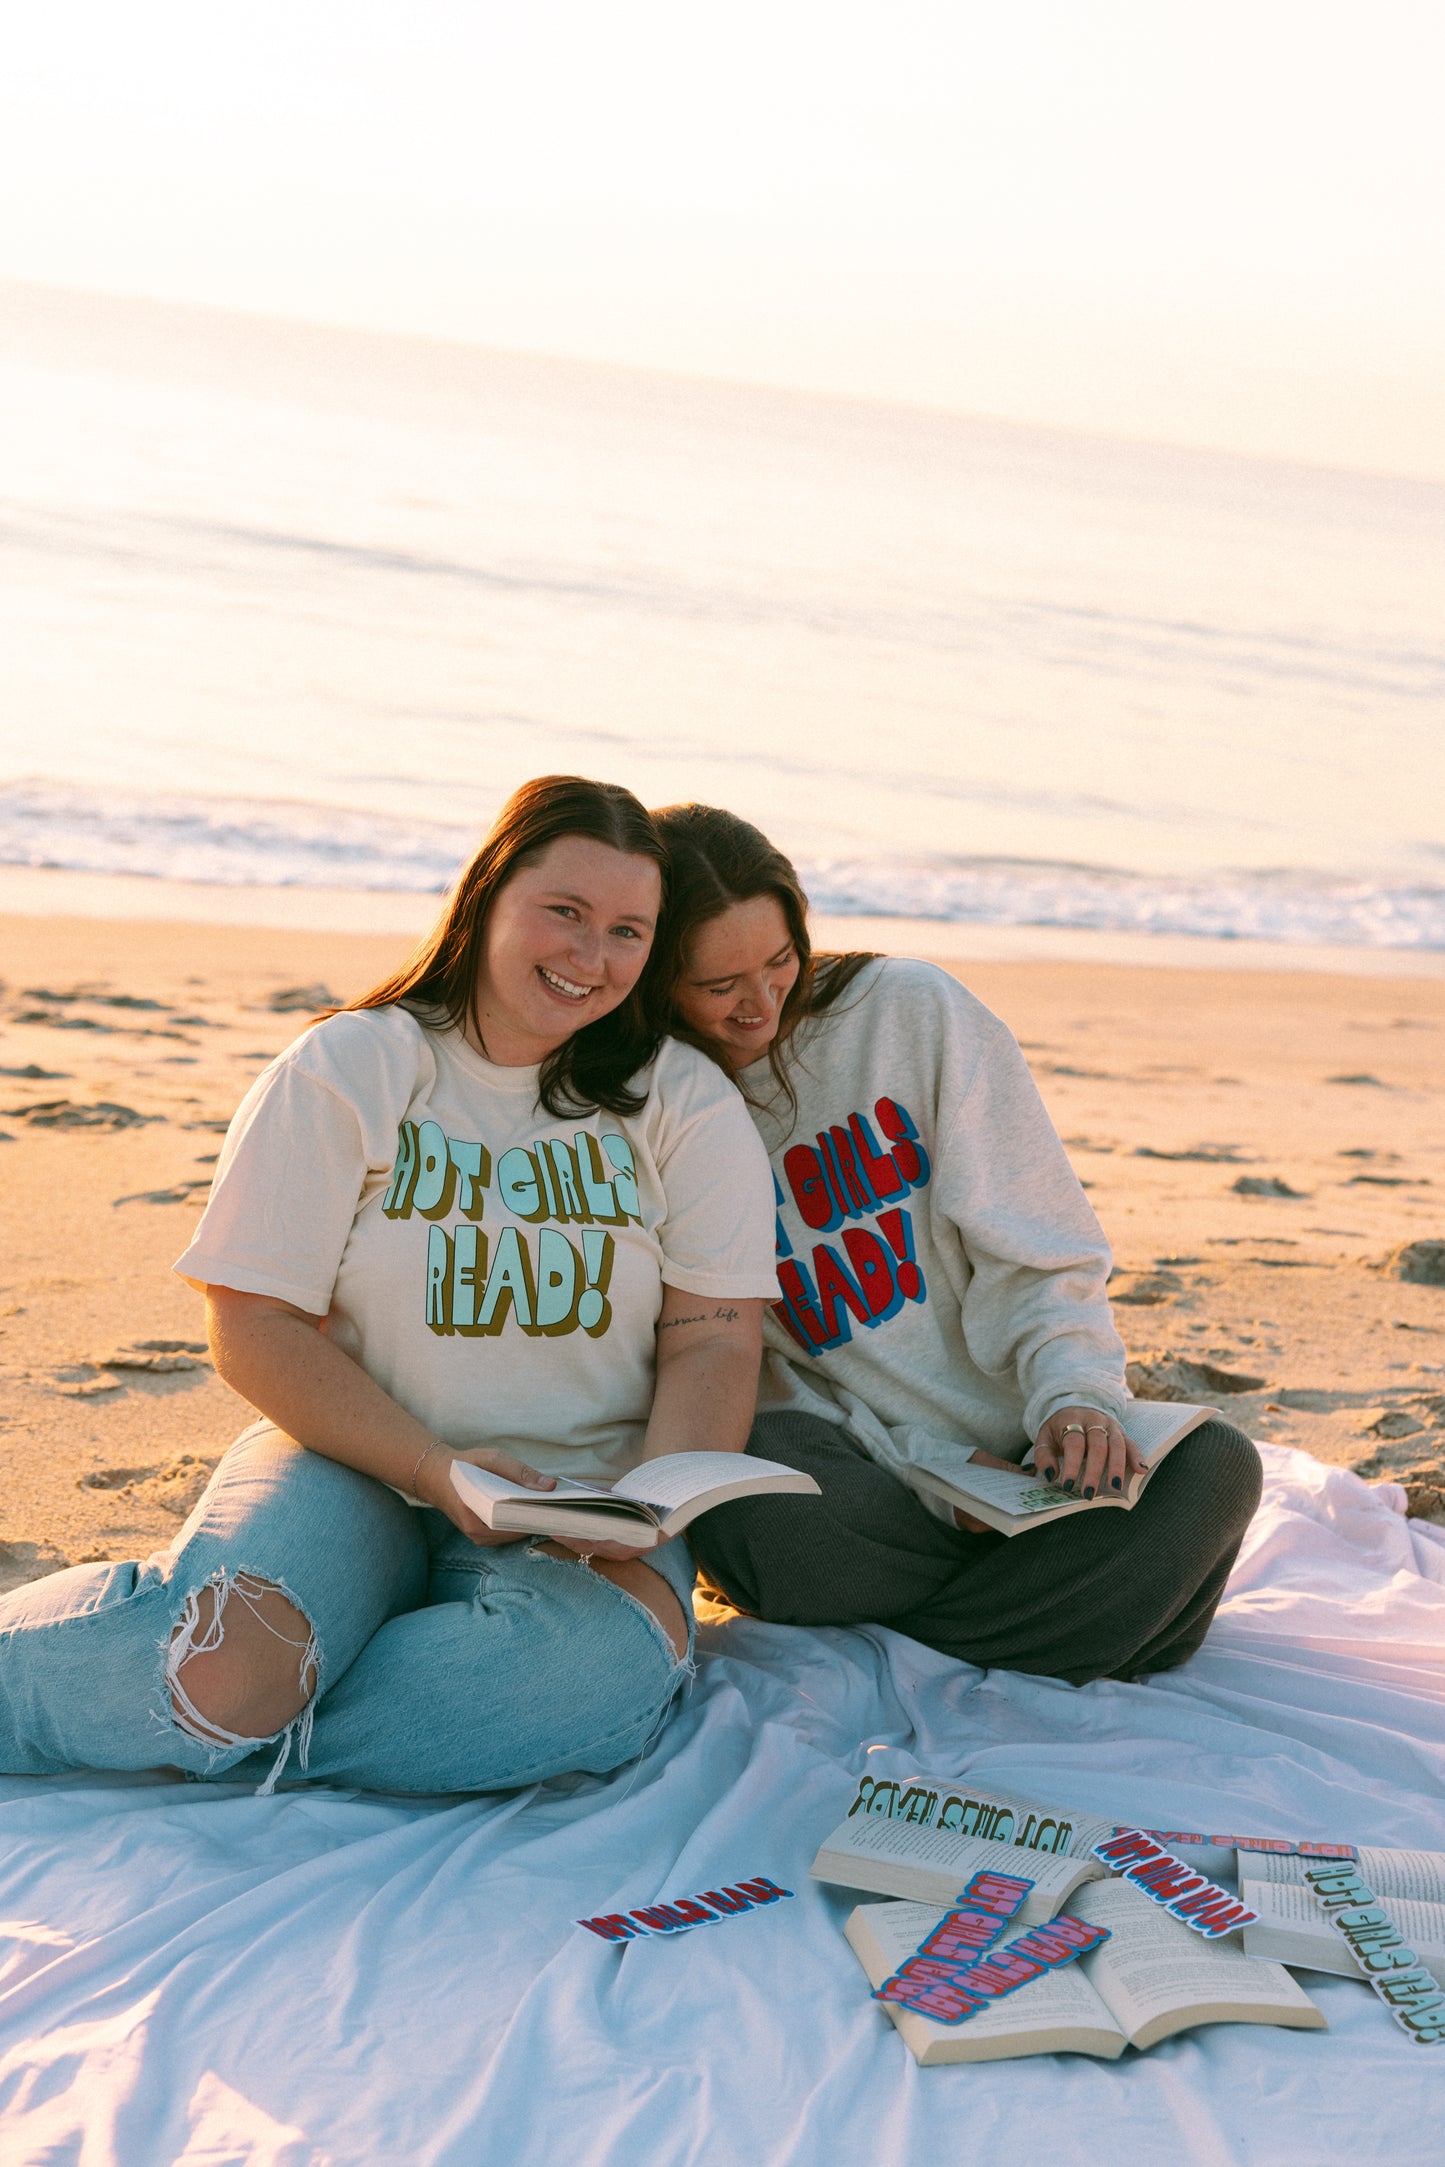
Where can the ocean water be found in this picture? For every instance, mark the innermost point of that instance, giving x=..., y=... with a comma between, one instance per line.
x=291, y=606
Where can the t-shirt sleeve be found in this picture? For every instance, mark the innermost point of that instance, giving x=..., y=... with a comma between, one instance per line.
x=718, y=1235
x=286, y=1192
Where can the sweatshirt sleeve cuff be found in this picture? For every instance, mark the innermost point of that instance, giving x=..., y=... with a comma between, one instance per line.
x=1109, y=1400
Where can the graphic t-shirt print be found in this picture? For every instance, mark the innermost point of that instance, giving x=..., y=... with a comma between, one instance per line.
x=864, y=1274
x=530, y=1275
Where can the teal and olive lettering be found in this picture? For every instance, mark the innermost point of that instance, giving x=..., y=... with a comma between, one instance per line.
x=509, y=1284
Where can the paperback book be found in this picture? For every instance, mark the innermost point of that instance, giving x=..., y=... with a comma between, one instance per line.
x=649, y=1505
x=933, y=1865
x=1150, y=1979
x=1014, y=1499
x=1293, y=1930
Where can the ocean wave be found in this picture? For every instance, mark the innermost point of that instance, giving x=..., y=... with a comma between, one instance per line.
x=227, y=842
x=1303, y=908
x=267, y=843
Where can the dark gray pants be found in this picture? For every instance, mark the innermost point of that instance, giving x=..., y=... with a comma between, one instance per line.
x=1107, y=1594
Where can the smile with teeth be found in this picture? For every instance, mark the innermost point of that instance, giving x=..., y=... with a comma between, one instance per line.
x=564, y=986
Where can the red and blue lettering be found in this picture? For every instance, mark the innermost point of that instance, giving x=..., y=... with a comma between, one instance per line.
x=878, y=1168
x=908, y=1154
x=812, y=1191
x=865, y=1279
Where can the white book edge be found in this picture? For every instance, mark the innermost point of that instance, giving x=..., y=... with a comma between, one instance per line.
x=686, y=1485
x=1013, y=1499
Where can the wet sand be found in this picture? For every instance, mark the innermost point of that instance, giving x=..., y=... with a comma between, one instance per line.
x=1258, y=1145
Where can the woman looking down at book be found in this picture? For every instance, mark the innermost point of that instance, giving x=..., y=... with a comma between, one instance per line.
x=943, y=1302
x=486, y=1213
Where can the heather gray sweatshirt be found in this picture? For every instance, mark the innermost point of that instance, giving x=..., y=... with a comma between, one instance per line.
x=943, y=1273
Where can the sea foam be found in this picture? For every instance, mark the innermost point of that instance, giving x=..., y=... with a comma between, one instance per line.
x=250, y=842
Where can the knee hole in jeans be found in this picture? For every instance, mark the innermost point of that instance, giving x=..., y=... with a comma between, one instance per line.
x=242, y=1663
x=643, y=1583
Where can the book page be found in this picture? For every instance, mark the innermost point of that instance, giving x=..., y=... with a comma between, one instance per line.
x=883, y=1936
x=1018, y=1492
x=1289, y=1907
x=932, y=1865
x=679, y=1477
x=1416, y=1874
x=1155, y=1425
x=1153, y=1965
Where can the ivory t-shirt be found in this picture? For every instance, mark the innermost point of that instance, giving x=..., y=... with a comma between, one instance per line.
x=497, y=1271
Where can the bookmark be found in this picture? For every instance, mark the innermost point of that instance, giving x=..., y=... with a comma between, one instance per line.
x=1190, y=1897
x=951, y=1993
x=1281, y=1845
x=685, y=1912
x=1412, y=1994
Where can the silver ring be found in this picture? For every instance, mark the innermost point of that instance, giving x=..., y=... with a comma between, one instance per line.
x=1090, y=1427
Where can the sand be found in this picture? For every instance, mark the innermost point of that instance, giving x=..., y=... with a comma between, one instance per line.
x=124, y=1048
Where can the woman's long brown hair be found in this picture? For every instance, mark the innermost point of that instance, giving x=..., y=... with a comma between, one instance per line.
x=717, y=860
x=438, y=981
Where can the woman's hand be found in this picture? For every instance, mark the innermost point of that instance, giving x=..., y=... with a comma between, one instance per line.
x=441, y=1491
x=708, y=1354
x=434, y=1486
x=1085, y=1451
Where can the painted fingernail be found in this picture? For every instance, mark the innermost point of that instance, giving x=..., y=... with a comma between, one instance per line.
x=1116, y=1482
x=1068, y=1482
x=1051, y=1474
x=1088, y=1489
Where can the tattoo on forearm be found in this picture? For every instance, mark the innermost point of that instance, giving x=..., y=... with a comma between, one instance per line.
x=721, y=1315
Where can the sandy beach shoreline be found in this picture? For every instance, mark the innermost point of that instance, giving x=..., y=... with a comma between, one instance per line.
x=1258, y=1143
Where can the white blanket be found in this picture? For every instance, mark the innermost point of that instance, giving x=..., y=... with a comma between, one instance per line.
x=324, y=1979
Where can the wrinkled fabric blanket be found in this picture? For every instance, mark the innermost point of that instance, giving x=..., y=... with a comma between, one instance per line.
x=325, y=1979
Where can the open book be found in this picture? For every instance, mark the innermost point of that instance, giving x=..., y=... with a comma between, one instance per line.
x=1293, y=1930
x=1150, y=1979
x=653, y=1502
x=1014, y=1499
x=932, y=1865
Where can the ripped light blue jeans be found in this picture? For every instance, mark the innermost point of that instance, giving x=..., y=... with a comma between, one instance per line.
x=439, y=1666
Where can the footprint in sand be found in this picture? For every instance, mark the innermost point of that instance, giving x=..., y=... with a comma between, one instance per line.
x=70, y=1114
x=1175, y=1377
x=173, y=1488
x=300, y=1000
x=1198, y=1154
x=180, y=1192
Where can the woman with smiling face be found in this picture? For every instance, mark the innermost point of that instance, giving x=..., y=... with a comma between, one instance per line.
x=943, y=1283
x=486, y=1212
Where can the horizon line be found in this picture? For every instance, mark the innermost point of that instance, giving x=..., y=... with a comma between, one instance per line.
x=697, y=379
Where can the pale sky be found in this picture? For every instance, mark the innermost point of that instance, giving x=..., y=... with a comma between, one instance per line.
x=1216, y=225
